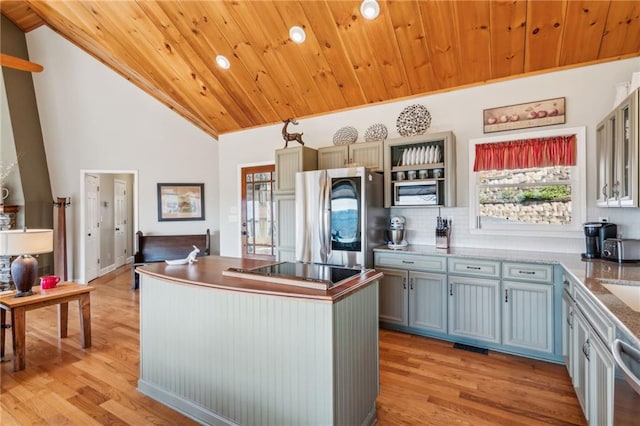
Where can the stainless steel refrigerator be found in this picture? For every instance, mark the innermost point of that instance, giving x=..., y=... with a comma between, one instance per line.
x=339, y=216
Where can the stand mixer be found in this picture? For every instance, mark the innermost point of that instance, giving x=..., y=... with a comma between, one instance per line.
x=395, y=233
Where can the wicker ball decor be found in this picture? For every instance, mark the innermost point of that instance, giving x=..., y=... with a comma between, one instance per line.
x=345, y=135
x=413, y=120
x=376, y=132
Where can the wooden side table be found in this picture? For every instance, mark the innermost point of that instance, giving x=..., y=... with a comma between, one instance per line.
x=61, y=296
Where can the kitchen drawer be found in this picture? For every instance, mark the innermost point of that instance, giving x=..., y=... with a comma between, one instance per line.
x=414, y=262
x=476, y=267
x=532, y=272
x=598, y=320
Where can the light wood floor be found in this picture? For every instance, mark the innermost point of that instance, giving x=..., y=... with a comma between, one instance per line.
x=422, y=381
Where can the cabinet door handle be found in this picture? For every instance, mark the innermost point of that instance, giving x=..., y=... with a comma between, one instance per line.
x=411, y=284
x=404, y=283
x=506, y=296
x=586, y=349
x=604, y=190
x=344, y=161
x=450, y=289
x=565, y=282
x=408, y=262
x=570, y=319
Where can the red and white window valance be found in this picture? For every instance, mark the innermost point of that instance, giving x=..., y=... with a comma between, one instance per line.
x=527, y=153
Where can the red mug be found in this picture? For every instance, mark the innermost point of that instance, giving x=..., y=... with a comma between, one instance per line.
x=49, y=281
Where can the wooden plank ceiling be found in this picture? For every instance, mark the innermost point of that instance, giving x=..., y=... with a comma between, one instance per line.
x=168, y=49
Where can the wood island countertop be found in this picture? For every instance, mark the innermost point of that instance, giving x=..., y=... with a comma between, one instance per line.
x=207, y=272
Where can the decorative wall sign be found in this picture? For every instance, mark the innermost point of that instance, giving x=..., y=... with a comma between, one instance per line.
x=522, y=116
x=413, y=120
x=180, y=201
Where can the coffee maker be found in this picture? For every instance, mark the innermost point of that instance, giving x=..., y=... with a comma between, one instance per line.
x=395, y=233
x=595, y=233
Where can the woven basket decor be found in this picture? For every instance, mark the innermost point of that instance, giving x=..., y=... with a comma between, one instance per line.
x=376, y=132
x=413, y=120
x=345, y=135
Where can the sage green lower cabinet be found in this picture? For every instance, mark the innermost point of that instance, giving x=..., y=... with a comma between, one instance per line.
x=593, y=365
x=527, y=316
x=428, y=301
x=414, y=299
x=393, y=299
x=474, y=308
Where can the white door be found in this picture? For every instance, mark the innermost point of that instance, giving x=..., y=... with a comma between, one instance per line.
x=120, y=221
x=92, y=226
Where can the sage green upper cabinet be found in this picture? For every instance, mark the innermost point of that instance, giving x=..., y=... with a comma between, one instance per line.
x=433, y=154
x=617, y=143
x=367, y=154
x=290, y=161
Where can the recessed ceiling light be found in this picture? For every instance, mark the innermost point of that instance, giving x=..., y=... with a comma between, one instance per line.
x=297, y=34
x=370, y=9
x=223, y=62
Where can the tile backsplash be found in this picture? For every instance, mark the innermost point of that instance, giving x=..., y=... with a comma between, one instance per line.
x=421, y=222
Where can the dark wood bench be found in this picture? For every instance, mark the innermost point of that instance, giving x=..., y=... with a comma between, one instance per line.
x=158, y=248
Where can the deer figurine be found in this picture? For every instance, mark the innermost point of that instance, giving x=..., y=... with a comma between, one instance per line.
x=291, y=136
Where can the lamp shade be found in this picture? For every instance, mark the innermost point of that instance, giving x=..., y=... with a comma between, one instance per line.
x=16, y=242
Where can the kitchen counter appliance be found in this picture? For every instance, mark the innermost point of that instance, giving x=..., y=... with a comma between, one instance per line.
x=595, y=234
x=339, y=216
x=395, y=233
x=621, y=250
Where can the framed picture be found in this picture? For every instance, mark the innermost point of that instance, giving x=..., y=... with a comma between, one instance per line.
x=522, y=116
x=180, y=201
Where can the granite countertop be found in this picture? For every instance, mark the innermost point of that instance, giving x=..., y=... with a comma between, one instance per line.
x=591, y=274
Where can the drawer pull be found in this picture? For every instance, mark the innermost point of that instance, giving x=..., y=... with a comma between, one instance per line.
x=566, y=283
x=408, y=262
x=473, y=268
x=527, y=272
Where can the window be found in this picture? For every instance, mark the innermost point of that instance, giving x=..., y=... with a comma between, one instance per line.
x=258, y=212
x=531, y=183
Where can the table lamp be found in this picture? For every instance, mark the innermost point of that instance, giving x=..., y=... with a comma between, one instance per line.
x=23, y=244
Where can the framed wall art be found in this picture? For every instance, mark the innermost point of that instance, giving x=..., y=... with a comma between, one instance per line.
x=180, y=201
x=522, y=116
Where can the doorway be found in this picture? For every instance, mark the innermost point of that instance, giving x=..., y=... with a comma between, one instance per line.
x=258, y=210
x=108, y=218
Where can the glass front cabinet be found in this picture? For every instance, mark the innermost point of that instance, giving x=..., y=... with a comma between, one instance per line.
x=617, y=144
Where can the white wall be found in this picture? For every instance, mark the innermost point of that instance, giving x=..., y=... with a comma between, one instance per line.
x=93, y=119
x=589, y=93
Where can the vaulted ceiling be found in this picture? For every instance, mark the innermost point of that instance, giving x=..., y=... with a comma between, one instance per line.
x=168, y=49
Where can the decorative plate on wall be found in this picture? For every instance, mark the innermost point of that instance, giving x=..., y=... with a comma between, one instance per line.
x=345, y=135
x=413, y=120
x=376, y=132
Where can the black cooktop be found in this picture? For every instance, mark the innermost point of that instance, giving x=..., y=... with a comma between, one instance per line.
x=315, y=272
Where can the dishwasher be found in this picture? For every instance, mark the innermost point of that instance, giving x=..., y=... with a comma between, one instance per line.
x=626, y=392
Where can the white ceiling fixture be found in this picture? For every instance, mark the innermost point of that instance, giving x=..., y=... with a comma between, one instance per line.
x=223, y=62
x=297, y=34
x=370, y=9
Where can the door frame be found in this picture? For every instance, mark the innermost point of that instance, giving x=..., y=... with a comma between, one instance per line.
x=115, y=254
x=134, y=219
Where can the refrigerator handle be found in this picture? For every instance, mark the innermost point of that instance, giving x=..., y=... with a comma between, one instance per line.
x=326, y=211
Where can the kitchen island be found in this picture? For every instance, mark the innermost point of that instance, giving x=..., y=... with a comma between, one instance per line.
x=228, y=350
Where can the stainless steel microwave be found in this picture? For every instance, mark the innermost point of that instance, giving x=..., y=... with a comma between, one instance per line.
x=415, y=193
